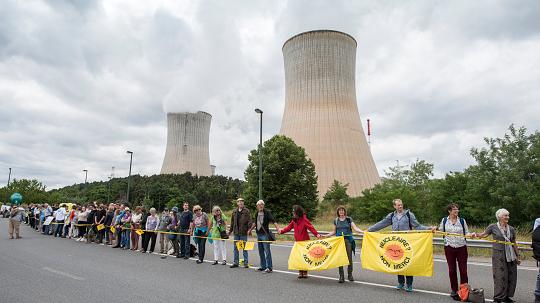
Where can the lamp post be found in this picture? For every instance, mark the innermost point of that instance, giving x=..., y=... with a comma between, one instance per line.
x=9, y=177
x=129, y=176
x=260, y=112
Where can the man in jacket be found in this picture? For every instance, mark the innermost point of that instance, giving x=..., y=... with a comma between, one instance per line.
x=401, y=219
x=261, y=220
x=16, y=216
x=240, y=224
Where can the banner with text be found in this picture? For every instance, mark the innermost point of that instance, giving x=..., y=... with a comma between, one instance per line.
x=319, y=254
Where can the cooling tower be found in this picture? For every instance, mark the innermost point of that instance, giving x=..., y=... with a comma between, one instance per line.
x=187, y=144
x=321, y=113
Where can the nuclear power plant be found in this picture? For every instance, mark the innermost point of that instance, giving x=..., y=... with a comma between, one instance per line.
x=321, y=113
x=187, y=144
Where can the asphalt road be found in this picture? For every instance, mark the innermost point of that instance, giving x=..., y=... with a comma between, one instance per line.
x=41, y=268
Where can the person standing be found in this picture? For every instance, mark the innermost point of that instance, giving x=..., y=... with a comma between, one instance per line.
x=144, y=234
x=151, y=227
x=108, y=222
x=343, y=226
x=185, y=228
x=126, y=228
x=99, y=218
x=301, y=225
x=218, y=232
x=16, y=216
x=536, y=252
x=59, y=216
x=118, y=215
x=82, y=223
x=240, y=224
x=401, y=220
x=173, y=229
x=261, y=220
x=164, y=221
x=455, y=248
x=505, y=257
x=135, y=225
x=200, y=232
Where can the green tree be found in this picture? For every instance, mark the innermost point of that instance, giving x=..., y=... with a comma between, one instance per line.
x=288, y=178
x=336, y=194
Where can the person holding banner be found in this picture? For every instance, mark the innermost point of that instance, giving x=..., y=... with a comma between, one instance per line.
x=505, y=257
x=240, y=223
x=136, y=218
x=401, y=220
x=301, y=225
x=262, y=220
x=343, y=226
x=455, y=248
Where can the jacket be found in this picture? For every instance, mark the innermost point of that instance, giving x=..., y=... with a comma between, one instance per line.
x=240, y=222
x=267, y=219
x=301, y=227
x=400, y=224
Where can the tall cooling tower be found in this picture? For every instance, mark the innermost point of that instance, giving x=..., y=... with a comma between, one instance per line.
x=187, y=144
x=321, y=114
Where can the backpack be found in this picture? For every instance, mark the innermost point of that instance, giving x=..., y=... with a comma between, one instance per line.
x=461, y=221
x=348, y=221
x=408, y=217
x=536, y=243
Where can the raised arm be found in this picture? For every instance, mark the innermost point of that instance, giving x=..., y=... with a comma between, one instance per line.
x=312, y=229
x=387, y=221
x=416, y=225
x=354, y=227
x=287, y=228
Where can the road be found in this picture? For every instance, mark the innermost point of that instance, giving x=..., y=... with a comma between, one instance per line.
x=41, y=268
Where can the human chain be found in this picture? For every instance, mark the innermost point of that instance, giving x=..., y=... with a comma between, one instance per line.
x=121, y=228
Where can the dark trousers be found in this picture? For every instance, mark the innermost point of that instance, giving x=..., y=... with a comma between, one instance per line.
x=32, y=222
x=401, y=279
x=348, y=248
x=185, y=244
x=201, y=244
x=82, y=229
x=59, y=228
x=537, y=291
x=147, y=238
x=458, y=255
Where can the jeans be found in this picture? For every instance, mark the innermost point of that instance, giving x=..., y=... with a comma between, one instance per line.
x=59, y=228
x=401, y=280
x=46, y=229
x=537, y=291
x=125, y=238
x=458, y=255
x=184, y=244
x=201, y=244
x=236, y=260
x=264, y=252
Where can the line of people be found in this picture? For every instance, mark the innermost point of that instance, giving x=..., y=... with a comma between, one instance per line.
x=121, y=225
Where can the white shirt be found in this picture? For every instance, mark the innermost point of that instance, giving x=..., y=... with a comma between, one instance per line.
x=454, y=241
x=60, y=214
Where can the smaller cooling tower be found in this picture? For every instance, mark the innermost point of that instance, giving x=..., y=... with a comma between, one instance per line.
x=187, y=144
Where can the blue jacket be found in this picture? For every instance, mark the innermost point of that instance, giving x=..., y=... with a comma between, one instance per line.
x=398, y=224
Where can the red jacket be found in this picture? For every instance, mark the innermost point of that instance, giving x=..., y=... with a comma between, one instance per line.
x=301, y=227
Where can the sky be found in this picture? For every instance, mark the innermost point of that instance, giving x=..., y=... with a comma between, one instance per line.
x=82, y=82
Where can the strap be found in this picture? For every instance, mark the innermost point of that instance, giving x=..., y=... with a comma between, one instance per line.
x=445, y=219
x=462, y=222
x=409, y=217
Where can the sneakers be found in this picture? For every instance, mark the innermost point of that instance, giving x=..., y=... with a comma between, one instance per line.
x=224, y=262
x=400, y=286
x=234, y=266
x=215, y=263
x=198, y=261
x=261, y=269
x=409, y=288
x=267, y=271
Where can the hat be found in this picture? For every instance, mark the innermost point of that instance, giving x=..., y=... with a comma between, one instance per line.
x=126, y=209
x=174, y=209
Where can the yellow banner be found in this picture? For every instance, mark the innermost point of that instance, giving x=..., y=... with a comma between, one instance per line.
x=113, y=229
x=241, y=245
x=100, y=227
x=409, y=254
x=139, y=232
x=319, y=254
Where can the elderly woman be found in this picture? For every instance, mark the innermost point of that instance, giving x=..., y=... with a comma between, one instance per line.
x=218, y=229
x=201, y=223
x=505, y=257
x=136, y=219
x=151, y=227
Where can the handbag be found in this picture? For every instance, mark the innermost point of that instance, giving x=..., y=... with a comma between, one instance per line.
x=476, y=295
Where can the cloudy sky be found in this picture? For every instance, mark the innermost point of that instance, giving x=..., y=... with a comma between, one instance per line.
x=83, y=81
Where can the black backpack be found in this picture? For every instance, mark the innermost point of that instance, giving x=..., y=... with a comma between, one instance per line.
x=536, y=243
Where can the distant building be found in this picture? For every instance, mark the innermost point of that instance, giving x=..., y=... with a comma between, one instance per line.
x=321, y=112
x=187, y=144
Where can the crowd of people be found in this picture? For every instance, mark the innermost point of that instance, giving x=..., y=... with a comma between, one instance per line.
x=118, y=226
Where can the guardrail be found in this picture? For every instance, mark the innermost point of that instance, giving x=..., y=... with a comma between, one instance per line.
x=476, y=243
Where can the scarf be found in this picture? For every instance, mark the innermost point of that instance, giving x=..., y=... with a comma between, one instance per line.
x=508, y=249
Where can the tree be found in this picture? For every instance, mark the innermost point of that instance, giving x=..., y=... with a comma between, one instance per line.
x=288, y=178
x=336, y=194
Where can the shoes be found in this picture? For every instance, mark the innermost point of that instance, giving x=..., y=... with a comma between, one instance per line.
x=341, y=279
x=509, y=300
x=267, y=271
x=234, y=266
x=163, y=257
x=246, y=265
x=455, y=296
x=199, y=261
x=143, y=251
x=261, y=269
x=350, y=278
x=215, y=263
x=182, y=256
x=400, y=286
x=409, y=288
x=178, y=256
x=224, y=262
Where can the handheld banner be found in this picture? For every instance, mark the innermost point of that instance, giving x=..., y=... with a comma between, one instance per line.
x=48, y=220
x=249, y=245
x=409, y=254
x=113, y=229
x=100, y=227
x=319, y=254
x=139, y=232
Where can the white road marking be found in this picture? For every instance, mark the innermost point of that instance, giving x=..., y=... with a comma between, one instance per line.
x=65, y=274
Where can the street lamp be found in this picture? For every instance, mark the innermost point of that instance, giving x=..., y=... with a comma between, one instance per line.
x=258, y=111
x=85, y=175
x=9, y=177
x=129, y=176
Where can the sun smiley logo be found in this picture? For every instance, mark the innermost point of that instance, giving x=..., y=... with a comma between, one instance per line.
x=395, y=253
x=317, y=252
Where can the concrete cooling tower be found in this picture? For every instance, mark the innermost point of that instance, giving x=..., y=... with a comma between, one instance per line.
x=187, y=144
x=321, y=113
